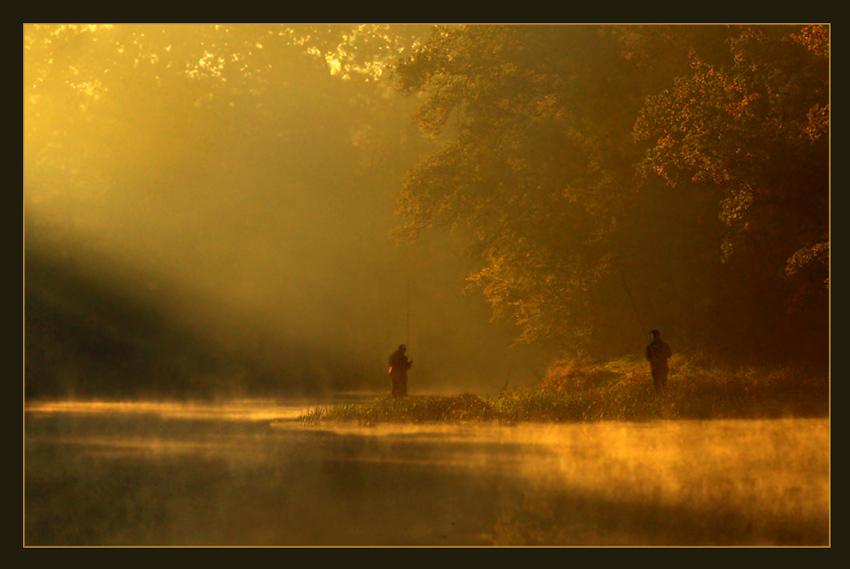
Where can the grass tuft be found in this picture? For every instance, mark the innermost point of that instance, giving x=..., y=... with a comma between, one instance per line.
x=412, y=409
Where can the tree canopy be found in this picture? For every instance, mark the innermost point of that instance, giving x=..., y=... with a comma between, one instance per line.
x=681, y=170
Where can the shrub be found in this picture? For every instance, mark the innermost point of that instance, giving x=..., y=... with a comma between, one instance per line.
x=565, y=376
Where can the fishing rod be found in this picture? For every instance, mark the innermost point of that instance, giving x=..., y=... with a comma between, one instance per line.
x=407, y=335
x=629, y=293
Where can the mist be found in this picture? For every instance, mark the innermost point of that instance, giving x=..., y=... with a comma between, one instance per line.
x=228, y=229
x=248, y=208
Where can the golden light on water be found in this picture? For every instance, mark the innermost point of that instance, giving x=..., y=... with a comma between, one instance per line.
x=236, y=410
x=547, y=483
x=681, y=462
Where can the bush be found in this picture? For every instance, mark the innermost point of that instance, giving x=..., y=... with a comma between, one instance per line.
x=566, y=376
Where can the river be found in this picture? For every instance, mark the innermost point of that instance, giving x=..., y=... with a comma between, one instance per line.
x=247, y=473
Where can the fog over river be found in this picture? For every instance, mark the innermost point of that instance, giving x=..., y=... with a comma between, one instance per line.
x=248, y=473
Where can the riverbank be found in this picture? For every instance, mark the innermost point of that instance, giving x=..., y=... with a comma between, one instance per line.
x=616, y=390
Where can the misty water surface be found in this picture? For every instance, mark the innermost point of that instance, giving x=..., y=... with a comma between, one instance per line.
x=247, y=473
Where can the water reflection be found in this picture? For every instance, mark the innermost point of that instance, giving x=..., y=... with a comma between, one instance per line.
x=245, y=473
x=230, y=410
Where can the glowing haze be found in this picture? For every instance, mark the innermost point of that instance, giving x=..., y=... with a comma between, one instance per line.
x=243, y=186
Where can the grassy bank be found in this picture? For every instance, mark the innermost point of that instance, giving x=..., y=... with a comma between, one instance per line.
x=616, y=390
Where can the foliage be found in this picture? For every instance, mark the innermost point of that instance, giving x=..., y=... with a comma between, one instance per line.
x=132, y=109
x=528, y=165
x=753, y=129
x=555, y=140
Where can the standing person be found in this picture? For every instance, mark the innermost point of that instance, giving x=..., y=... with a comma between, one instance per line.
x=399, y=364
x=657, y=352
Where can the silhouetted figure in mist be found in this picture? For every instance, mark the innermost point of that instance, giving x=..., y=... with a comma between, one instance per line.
x=657, y=352
x=399, y=364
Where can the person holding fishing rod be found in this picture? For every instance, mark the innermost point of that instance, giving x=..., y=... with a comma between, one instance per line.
x=658, y=352
x=399, y=364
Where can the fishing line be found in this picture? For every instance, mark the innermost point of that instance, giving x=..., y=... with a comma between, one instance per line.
x=407, y=270
x=407, y=335
x=629, y=293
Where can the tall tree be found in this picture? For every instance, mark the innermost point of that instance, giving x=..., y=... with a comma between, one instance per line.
x=689, y=164
x=531, y=164
x=753, y=131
